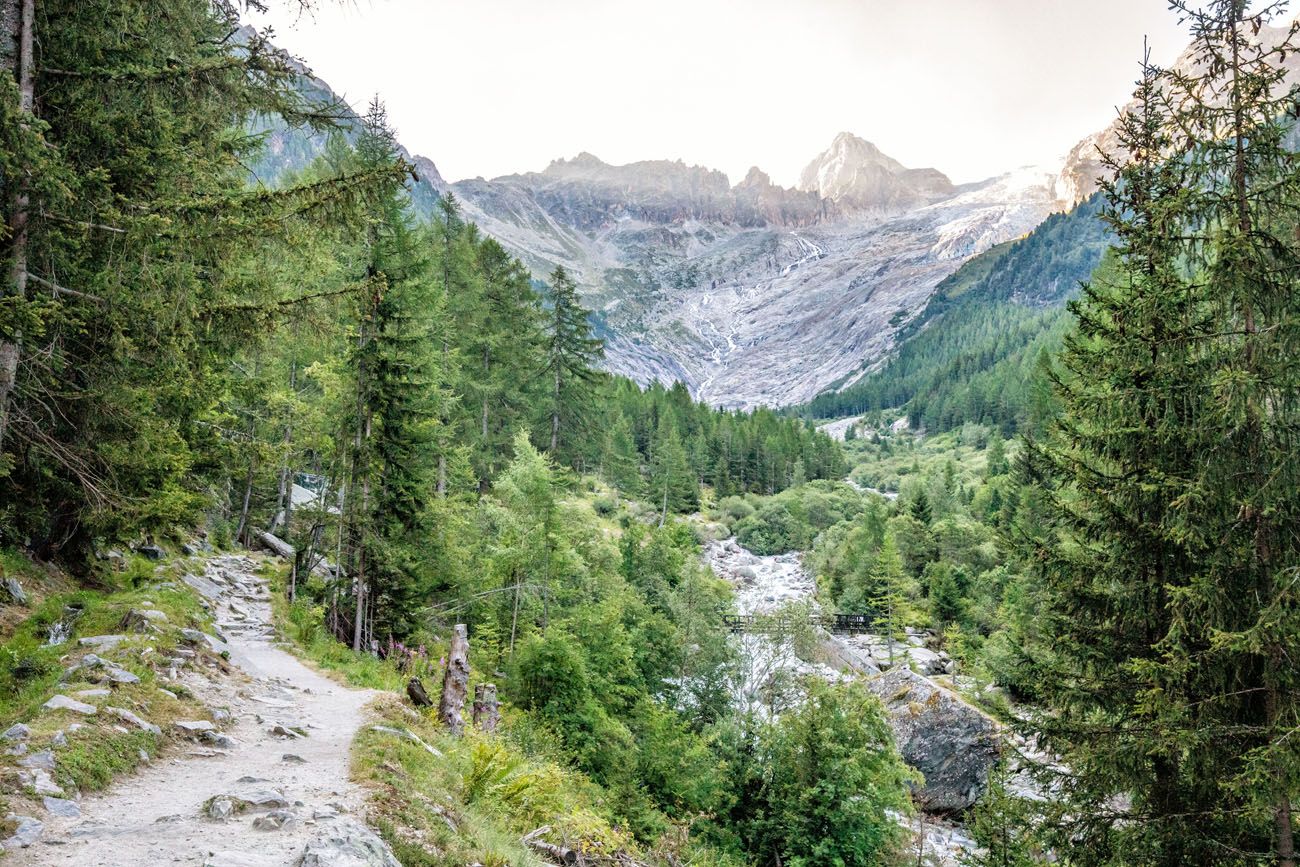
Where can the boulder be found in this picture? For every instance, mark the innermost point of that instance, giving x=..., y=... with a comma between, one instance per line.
x=14, y=591
x=41, y=782
x=142, y=619
x=349, y=843
x=275, y=820
x=222, y=807
x=194, y=728
x=150, y=552
x=62, y=702
x=28, y=832
x=62, y=808
x=16, y=732
x=44, y=760
x=953, y=744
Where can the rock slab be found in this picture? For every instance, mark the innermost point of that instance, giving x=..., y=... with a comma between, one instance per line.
x=952, y=744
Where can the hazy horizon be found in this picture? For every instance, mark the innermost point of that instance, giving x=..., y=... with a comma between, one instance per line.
x=973, y=88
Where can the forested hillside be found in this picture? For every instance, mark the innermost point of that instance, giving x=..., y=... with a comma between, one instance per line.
x=973, y=354
x=320, y=516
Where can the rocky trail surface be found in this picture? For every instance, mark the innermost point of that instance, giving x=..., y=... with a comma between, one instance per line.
x=266, y=785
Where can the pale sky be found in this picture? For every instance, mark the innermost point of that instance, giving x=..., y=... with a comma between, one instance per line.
x=971, y=87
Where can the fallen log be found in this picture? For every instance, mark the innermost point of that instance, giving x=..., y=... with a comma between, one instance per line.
x=559, y=854
x=276, y=545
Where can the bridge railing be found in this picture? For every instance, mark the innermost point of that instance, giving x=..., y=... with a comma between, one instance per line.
x=840, y=624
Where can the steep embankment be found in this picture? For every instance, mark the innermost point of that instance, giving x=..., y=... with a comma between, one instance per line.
x=265, y=780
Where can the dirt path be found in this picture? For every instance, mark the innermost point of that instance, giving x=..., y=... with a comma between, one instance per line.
x=157, y=816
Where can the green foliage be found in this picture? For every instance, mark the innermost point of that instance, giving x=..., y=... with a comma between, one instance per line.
x=818, y=786
x=1167, y=553
x=973, y=353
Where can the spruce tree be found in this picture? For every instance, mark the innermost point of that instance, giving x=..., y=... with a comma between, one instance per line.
x=571, y=355
x=1168, y=563
x=396, y=395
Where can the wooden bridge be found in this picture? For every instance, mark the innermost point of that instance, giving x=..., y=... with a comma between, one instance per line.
x=776, y=624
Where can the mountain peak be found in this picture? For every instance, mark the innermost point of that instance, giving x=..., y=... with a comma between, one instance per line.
x=855, y=173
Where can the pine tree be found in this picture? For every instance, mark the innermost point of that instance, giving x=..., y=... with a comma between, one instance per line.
x=1172, y=482
x=130, y=233
x=395, y=396
x=572, y=353
x=622, y=462
x=887, y=593
x=673, y=484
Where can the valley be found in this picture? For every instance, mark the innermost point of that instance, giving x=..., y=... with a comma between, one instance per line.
x=928, y=512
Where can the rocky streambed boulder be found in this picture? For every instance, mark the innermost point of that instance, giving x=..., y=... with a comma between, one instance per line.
x=953, y=744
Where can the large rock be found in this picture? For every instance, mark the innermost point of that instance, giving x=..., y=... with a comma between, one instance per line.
x=28, y=832
x=14, y=590
x=348, y=844
x=952, y=744
x=62, y=702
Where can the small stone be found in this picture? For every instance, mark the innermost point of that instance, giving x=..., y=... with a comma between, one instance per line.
x=121, y=675
x=129, y=717
x=16, y=732
x=168, y=693
x=220, y=808
x=28, y=832
x=293, y=759
x=99, y=692
x=44, y=760
x=59, y=739
x=194, y=728
x=62, y=702
x=18, y=749
x=101, y=642
x=62, y=807
x=144, y=756
x=286, y=731
x=275, y=820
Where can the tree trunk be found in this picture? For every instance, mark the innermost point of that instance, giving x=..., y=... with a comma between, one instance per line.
x=284, y=499
x=248, y=499
x=277, y=546
x=19, y=20
x=559, y=854
x=555, y=412
x=487, y=713
x=455, y=682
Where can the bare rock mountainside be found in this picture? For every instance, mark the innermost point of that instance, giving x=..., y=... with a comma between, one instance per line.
x=749, y=293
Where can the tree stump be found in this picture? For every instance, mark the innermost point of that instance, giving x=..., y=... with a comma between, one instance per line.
x=455, y=682
x=486, y=712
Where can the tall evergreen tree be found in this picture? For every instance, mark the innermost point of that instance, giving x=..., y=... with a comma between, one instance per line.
x=571, y=356
x=1169, y=564
x=396, y=394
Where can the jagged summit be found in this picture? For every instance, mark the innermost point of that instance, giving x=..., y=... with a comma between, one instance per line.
x=855, y=174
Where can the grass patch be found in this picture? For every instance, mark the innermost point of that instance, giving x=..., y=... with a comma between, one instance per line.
x=32, y=671
x=474, y=802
